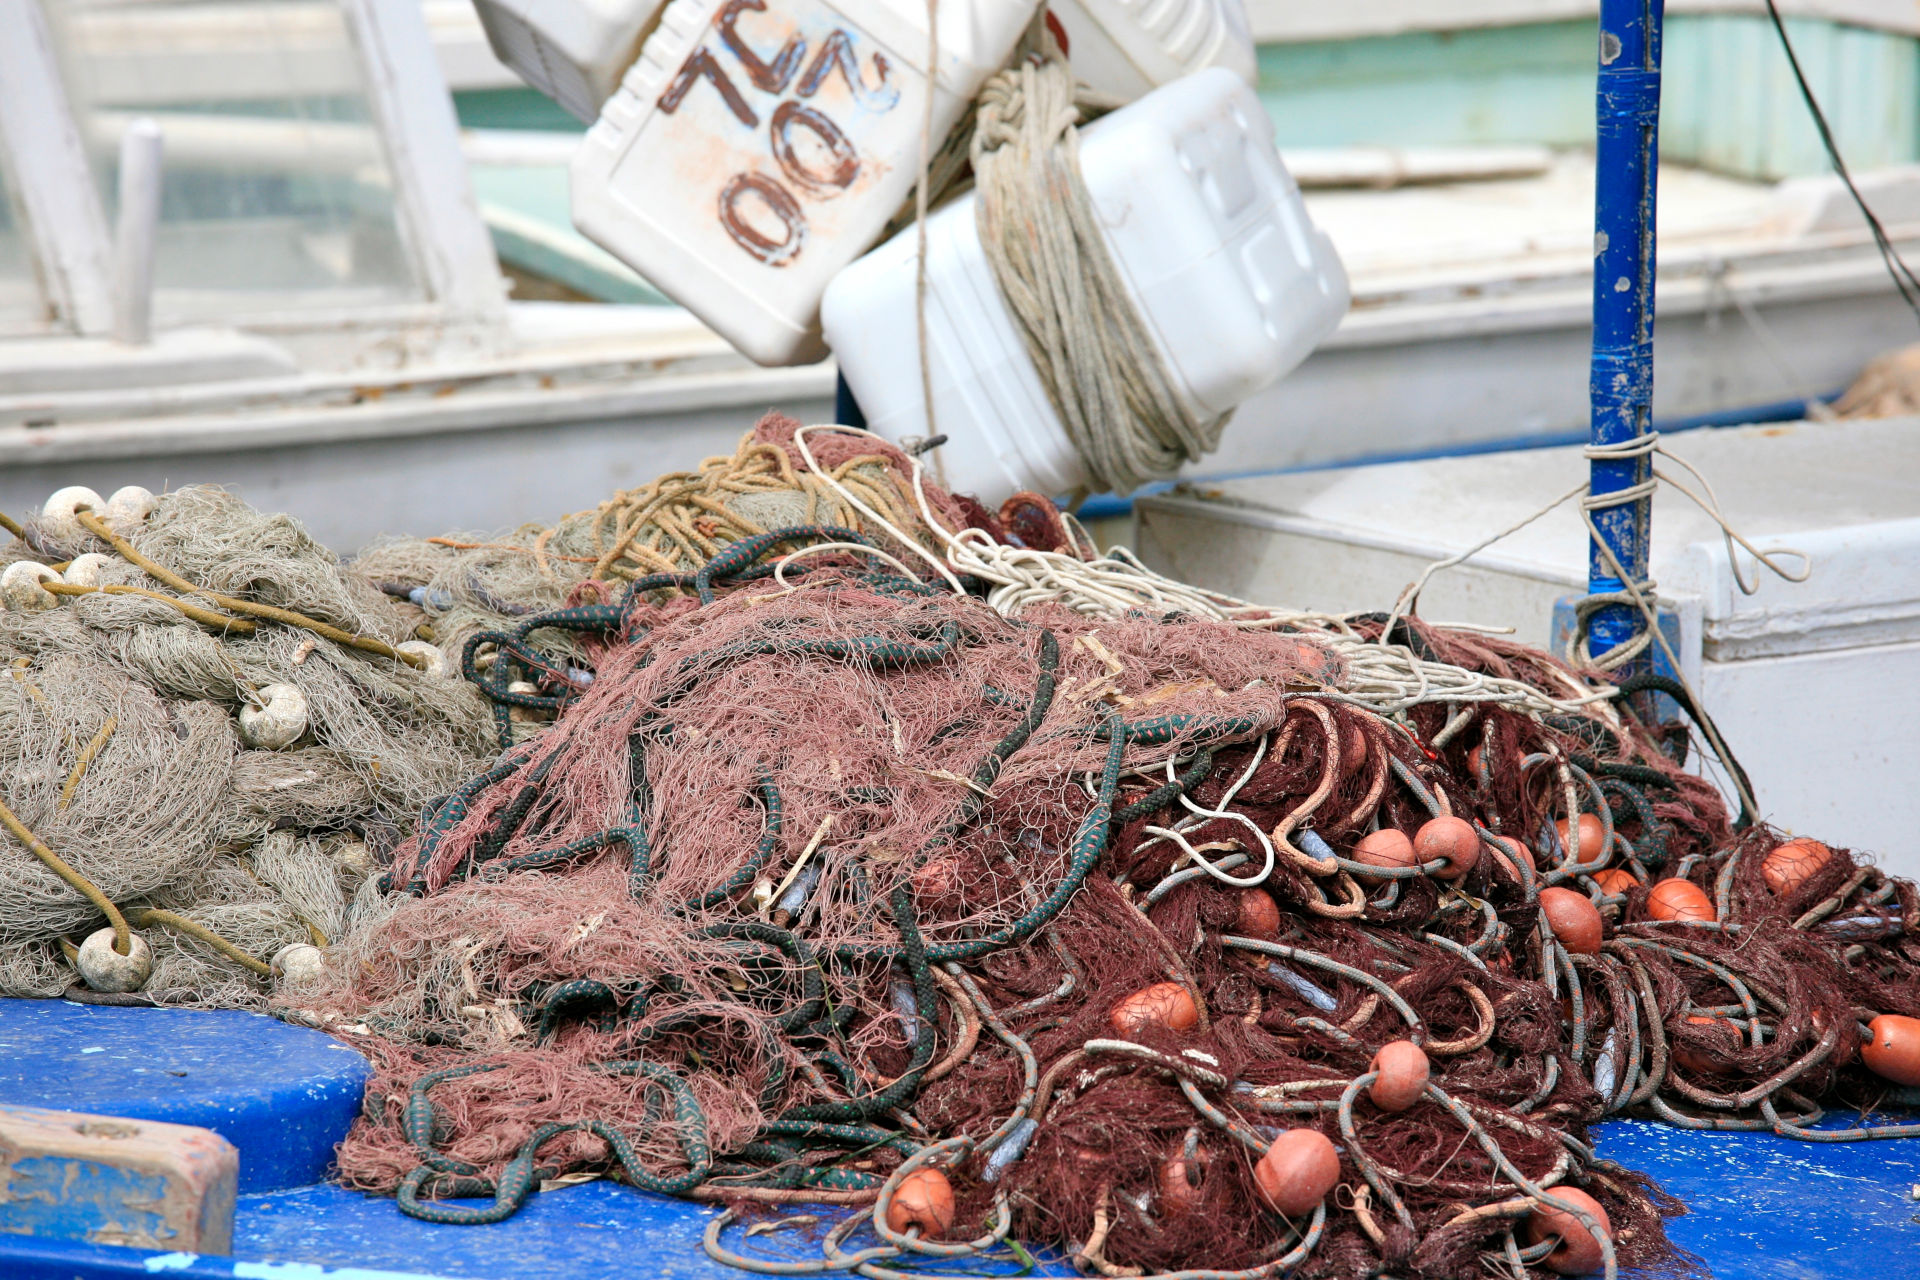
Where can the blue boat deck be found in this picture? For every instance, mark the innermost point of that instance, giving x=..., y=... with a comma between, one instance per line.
x=1760, y=1207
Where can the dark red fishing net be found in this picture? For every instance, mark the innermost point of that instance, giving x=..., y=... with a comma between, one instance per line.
x=835, y=858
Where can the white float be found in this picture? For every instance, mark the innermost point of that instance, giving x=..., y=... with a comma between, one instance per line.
x=437, y=666
x=277, y=720
x=1235, y=283
x=106, y=970
x=20, y=586
x=1127, y=48
x=57, y=515
x=758, y=146
x=88, y=570
x=128, y=508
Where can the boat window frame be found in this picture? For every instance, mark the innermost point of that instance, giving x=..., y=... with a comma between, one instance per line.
x=441, y=229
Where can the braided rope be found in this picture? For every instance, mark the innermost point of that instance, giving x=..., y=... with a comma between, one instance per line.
x=1103, y=372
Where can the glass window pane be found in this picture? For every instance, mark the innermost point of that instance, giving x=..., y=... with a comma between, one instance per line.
x=21, y=304
x=277, y=194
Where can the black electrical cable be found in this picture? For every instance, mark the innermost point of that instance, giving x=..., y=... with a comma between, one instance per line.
x=1903, y=278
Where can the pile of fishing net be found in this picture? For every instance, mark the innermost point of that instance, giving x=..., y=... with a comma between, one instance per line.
x=466, y=583
x=1034, y=898
x=209, y=736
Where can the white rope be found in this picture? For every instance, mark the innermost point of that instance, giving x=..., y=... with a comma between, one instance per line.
x=1641, y=592
x=920, y=197
x=1177, y=832
x=815, y=548
x=1384, y=679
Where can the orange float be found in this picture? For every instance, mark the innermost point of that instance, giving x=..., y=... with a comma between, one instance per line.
x=1679, y=900
x=1297, y=1171
x=1794, y=863
x=1164, y=1006
x=1259, y=915
x=1451, y=840
x=1574, y=919
x=924, y=1199
x=1591, y=838
x=1402, y=1068
x=1893, y=1049
x=1579, y=1253
x=1615, y=881
x=1385, y=848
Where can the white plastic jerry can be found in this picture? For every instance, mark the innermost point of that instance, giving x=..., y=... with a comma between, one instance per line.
x=758, y=146
x=1208, y=231
x=574, y=51
x=1128, y=48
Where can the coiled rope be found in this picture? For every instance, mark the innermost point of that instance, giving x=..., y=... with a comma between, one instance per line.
x=1103, y=372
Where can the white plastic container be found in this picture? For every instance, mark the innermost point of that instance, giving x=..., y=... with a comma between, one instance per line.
x=1235, y=283
x=1128, y=48
x=574, y=51
x=759, y=146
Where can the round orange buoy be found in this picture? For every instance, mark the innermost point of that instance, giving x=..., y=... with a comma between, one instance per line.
x=1403, y=1069
x=1697, y=1061
x=1893, y=1051
x=1510, y=853
x=1579, y=1253
x=1452, y=840
x=1385, y=848
x=1615, y=880
x=1353, y=750
x=1574, y=919
x=1259, y=914
x=924, y=1199
x=1592, y=834
x=1679, y=900
x=1164, y=1006
x=1179, y=1183
x=1792, y=864
x=1297, y=1171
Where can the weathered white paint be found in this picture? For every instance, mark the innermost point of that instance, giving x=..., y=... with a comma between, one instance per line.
x=141, y=158
x=1813, y=683
x=493, y=470
x=47, y=173
x=58, y=364
x=439, y=217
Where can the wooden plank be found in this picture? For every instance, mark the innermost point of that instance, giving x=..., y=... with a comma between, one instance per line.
x=66, y=1175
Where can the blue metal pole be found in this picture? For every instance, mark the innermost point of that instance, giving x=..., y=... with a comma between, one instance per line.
x=1627, y=167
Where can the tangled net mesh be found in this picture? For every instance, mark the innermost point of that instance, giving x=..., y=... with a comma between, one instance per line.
x=836, y=876
x=465, y=583
x=119, y=750
x=809, y=872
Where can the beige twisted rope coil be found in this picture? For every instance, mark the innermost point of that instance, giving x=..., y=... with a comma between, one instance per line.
x=1102, y=370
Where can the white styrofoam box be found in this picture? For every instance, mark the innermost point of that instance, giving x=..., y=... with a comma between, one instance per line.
x=574, y=51
x=758, y=146
x=1209, y=233
x=1129, y=47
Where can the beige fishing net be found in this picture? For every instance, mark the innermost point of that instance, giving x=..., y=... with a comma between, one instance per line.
x=121, y=756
